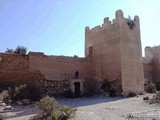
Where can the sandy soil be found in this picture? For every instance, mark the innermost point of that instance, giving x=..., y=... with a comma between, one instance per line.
x=98, y=107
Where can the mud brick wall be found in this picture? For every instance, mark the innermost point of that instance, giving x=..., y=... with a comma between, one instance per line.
x=59, y=67
x=156, y=68
x=152, y=63
x=131, y=56
x=14, y=70
x=59, y=70
x=116, y=54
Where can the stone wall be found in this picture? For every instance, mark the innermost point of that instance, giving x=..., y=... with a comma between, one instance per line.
x=112, y=52
x=59, y=71
x=151, y=63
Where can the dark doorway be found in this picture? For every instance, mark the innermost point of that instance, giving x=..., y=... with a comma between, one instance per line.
x=77, y=90
x=77, y=74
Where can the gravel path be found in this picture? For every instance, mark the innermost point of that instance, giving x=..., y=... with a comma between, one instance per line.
x=98, y=107
x=118, y=108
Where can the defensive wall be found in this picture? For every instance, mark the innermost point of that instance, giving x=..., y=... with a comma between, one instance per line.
x=112, y=52
x=151, y=63
x=116, y=53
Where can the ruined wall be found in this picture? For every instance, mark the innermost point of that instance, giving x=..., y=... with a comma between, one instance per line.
x=112, y=52
x=152, y=64
x=59, y=70
x=59, y=67
x=156, y=68
x=116, y=53
x=152, y=52
x=54, y=72
x=148, y=71
x=15, y=70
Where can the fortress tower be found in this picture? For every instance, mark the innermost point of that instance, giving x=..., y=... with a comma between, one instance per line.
x=112, y=52
x=115, y=51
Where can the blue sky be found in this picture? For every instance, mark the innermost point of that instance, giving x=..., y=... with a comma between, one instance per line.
x=56, y=27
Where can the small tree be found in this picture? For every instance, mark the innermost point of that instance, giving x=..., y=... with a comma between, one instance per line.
x=3, y=117
x=10, y=51
x=75, y=56
x=151, y=88
x=21, y=50
x=130, y=23
x=29, y=91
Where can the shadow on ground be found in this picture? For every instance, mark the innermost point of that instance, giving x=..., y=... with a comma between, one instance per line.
x=86, y=101
x=20, y=111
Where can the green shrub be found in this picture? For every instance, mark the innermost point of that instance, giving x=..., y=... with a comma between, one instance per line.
x=21, y=50
x=157, y=85
x=31, y=92
x=63, y=112
x=146, y=98
x=158, y=95
x=151, y=88
x=47, y=105
x=2, y=117
x=20, y=92
x=155, y=98
x=132, y=94
x=36, y=92
x=4, y=95
x=50, y=111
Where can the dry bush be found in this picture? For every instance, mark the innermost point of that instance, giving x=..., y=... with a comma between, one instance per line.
x=151, y=88
x=47, y=105
x=155, y=98
x=4, y=95
x=63, y=112
x=146, y=98
x=2, y=117
x=29, y=91
x=50, y=110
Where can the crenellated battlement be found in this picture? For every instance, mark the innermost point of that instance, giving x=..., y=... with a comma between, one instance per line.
x=151, y=52
x=116, y=47
x=108, y=24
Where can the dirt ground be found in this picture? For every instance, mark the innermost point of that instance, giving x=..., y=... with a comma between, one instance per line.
x=97, y=107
